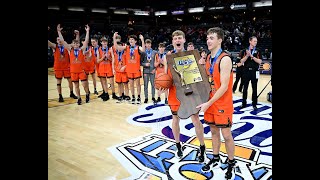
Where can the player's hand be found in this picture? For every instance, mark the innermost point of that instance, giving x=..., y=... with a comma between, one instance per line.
x=122, y=69
x=248, y=53
x=153, y=71
x=76, y=32
x=59, y=29
x=162, y=90
x=87, y=28
x=141, y=37
x=103, y=55
x=115, y=34
x=203, y=106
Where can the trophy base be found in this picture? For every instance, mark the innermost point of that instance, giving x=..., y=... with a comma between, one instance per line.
x=188, y=91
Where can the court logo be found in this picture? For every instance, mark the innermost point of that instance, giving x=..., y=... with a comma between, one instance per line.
x=153, y=156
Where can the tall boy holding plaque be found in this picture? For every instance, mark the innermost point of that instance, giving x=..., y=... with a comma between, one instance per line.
x=178, y=40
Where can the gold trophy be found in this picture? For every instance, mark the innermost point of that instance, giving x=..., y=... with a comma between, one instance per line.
x=187, y=88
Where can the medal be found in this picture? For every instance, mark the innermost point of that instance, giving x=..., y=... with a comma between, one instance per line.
x=61, y=48
x=149, y=53
x=76, y=53
x=96, y=51
x=105, y=50
x=119, y=53
x=213, y=61
x=132, y=52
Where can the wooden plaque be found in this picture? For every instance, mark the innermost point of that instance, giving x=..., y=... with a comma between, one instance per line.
x=194, y=88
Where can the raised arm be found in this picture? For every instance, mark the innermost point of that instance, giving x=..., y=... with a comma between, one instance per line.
x=52, y=45
x=117, y=46
x=66, y=45
x=142, y=48
x=112, y=57
x=76, y=32
x=86, y=40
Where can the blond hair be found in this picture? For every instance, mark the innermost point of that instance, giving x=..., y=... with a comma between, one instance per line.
x=178, y=33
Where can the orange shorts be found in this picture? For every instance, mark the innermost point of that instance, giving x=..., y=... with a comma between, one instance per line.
x=121, y=77
x=219, y=120
x=174, y=109
x=75, y=77
x=62, y=73
x=134, y=75
x=89, y=71
x=108, y=75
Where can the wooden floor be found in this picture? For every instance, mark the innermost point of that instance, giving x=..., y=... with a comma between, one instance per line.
x=78, y=136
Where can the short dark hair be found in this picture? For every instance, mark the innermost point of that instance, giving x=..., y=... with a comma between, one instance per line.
x=94, y=38
x=134, y=37
x=162, y=45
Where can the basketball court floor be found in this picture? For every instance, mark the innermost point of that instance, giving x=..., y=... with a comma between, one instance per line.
x=108, y=140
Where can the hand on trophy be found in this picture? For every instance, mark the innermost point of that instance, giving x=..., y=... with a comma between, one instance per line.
x=203, y=106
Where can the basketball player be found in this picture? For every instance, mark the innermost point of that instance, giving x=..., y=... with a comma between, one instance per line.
x=178, y=40
x=90, y=61
x=106, y=69
x=148, y=70
x=76, y=60
x=62, y=65
x=133, y=70
x=218, y=110
x=159, y=65
x=121, y=75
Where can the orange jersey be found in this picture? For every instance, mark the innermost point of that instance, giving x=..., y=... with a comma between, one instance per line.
x=224, y=103
x=105, y=65
x=89, y=58
x=207, y=66
x=172, y=97
x=76, y=64
x=61, y=61
x=132, y=60
x=159, y=61
x=119, y=60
